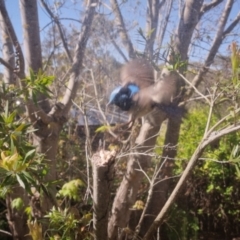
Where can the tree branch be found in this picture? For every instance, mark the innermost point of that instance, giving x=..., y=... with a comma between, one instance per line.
x=208, y=6
x=118, y=49
x=13, y=36
x=153, y=9
x=188, y=21
x=122, y=29
x=232, y=25
x=163, y=26
x=78, y=58
x=56, y=20
x=6, y=64
x=219, y=37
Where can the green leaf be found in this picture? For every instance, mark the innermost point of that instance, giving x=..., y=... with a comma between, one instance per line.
x=103, y=128
x=17, y=204
x=29, y=154
x=21, y=181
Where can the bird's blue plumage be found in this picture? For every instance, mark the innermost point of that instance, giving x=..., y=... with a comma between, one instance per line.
x=113, y=94
x=134, y=89
x=122, y=96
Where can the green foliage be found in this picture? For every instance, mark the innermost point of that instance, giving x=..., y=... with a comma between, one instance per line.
x=212, y=192
x=63, y=223
x=71, y=190
x=17, y=204
x=145, y=36
x=235, y=60
x=37, y=84
x=187, y=229
x=103, y=128
x=18, y=157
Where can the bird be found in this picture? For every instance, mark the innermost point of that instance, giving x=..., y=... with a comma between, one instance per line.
x=122, y=96
x=139, y=94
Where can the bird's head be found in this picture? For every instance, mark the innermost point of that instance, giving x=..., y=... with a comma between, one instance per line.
x=122, y=96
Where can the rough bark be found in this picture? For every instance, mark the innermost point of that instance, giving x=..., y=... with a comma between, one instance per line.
x=103, y=173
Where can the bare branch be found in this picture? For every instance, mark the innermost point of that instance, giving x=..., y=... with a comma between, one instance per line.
x=6, y=64
x=118, y=49
x=163, y=26
x=232, y=25
x=220, y=35
x=122, y=29
x=152, y=24
x=208, y=6
x=194, y=88
x=5, y=232
x=78, y=58
x=56, y=20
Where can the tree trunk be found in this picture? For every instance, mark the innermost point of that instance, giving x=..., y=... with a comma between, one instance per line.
x=32, y=43
x=139, y=159
x=103, y=174
x=7, y=52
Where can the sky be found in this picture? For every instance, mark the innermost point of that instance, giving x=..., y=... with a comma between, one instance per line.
x=134, y=16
